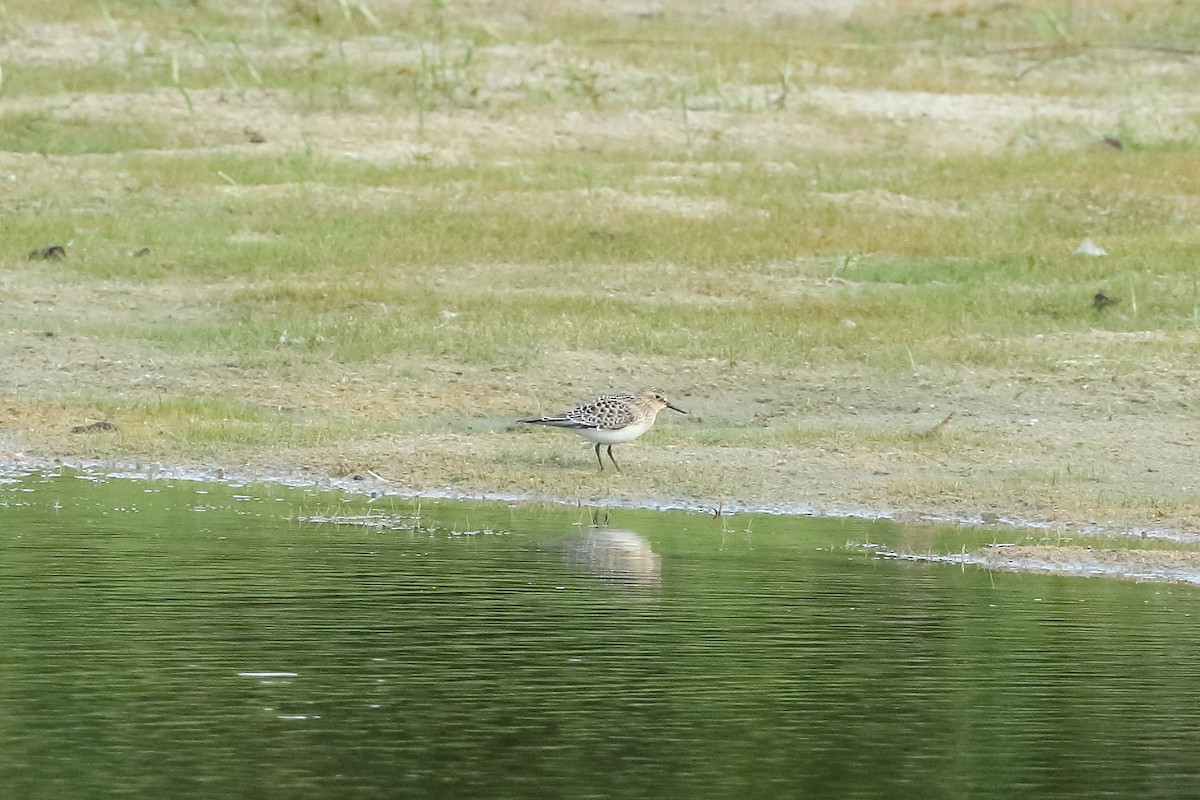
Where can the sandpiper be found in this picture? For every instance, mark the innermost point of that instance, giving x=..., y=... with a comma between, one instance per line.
x=611, y=419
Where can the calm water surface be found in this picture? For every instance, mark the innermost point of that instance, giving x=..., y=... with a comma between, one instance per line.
x=170, y=639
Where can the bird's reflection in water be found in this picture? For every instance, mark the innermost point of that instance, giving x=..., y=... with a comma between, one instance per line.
x=617, y=555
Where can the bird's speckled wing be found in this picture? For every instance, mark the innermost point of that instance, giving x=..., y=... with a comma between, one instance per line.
x=611, y=412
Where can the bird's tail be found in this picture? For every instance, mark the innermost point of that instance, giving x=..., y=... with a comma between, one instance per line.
x=554, y=422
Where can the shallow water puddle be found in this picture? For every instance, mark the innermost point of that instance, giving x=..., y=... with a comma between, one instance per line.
x=168, y=638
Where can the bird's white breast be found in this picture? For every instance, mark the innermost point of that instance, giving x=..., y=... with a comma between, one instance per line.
x=617, y=436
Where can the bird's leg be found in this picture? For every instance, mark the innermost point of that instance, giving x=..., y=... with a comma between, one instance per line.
x=599, y=460
x=610, y=457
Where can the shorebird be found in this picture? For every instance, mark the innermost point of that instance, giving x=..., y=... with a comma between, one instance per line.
x=611, y=419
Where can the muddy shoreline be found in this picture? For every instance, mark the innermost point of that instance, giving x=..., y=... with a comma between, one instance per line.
x=1125, y=562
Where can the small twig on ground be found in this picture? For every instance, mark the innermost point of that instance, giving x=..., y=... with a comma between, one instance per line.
x=936, y=429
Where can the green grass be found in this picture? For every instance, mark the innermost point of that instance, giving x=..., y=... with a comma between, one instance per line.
x=48, y=133
x=357, y=214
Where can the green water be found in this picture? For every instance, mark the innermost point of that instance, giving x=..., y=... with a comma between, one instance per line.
x=170, y=639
